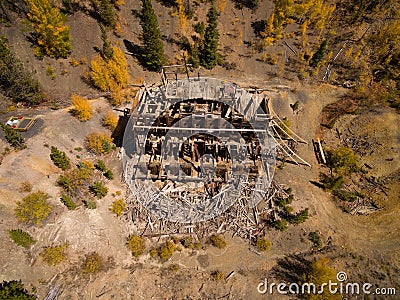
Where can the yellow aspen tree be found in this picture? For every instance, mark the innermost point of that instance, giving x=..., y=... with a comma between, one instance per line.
x=53, y=37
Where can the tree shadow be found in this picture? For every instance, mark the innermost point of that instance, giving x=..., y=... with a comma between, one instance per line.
x=118, y=133
x=291, y=268
x=258, y=27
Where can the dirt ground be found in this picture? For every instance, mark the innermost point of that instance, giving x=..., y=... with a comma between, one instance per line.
x=87, y=230
x=366, y=247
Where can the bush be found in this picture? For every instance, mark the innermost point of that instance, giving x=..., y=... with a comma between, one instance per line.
x=217, y=275
x=14, y=290
x=331, y=183
x=136, y=245
x=60, y=159
x=15, y=81
x=67, y=201
x=263, y=244
x=54, y=255
x=217, y=240
x=99, y=190
x=343, y=160
x=13, y=137
x=21, y=238
x=108, y=174
x=187, y=242
x=101, y=166
x=90, y=204
x=93, y=263
x=281, y=225
x=315, y=239
x=52, y=36
x=166, y=251
x=75, y=181
x=110, y=120
x=118, y=207
x=26, y=187
x=300, y=217
x=319, y=273
x=99, y=143
x=34, y=208
x=82, y=109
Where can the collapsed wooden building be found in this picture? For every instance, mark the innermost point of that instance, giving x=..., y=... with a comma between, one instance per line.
x=199, y=155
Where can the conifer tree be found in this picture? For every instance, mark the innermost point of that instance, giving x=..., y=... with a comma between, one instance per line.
x=209, y=55
x=15, y=81
x=153, y=49
x=319, y=55
x=106, y=13
x=107, y=50
x=52, y=36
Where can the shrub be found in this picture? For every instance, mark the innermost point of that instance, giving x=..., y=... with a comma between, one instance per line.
x=263, y=244
x=343, y=160
x=16, y=82
x=331, y=183
x=76, y=181
x=217, y=275
x=108, y=174
x=300, y=217
x=281, y=224
x=52, y=36
x=136, y=245
x=118, y=207
x=187, y=242
x=99, y=143
x=14, y=290
x=54, y=255
x=93, y=263
x=90, y=204
x=13, y=137
x=99, y=190
x=82, y=109
x=34, y=208
x=100, y=165
x=67, y=201
x=110, y=120
x=217, y=240
x=315, y=239
x=165, y=252
x=318, y=273
x=59, y=158
x=21, y=238
x=26, y=187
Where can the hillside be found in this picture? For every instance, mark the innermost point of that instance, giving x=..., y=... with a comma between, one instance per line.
x=330, y=71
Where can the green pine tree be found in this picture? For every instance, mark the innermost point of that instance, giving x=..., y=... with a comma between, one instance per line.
x=153, y=49
x=319, y=55
x=106, y=13
x=15, y=81
x=14, y=290
x=209, y=55
x=107, y=51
